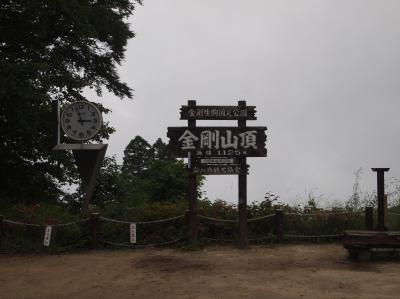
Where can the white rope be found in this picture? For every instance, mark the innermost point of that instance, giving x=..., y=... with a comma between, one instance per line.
x=260, y=218
x=322, y=214
x=219, y=240
x=142, y=245
x=314, y=236
x=70, y=223
x=141, y=222
x=44, y=225
x=219, y=220
x=22, y=223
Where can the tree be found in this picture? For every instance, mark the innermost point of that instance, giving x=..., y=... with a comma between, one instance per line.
x=137, y=156
x=108, y=186
x=166, y=181
x=52, y=49
x=160, y=150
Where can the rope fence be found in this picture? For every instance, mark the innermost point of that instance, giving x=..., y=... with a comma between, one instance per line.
x=143, y=222
x=98, y=229
x=218, y=219
x=134, y=227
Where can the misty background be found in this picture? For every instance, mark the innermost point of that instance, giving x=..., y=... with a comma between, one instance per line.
x=323, y=74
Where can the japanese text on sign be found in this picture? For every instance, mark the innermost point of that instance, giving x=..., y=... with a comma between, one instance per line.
x=218, y=112
x=217, y=169
x=217, y=142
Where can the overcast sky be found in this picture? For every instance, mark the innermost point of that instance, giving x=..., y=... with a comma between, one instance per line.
x=324, y=76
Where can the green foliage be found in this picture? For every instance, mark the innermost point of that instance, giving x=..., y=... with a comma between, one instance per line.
x=166, y=181
x=137, y=156
x=30, y=238
x=108, y=184
x=52, y=50
x=163, y=181
x=160, y=150
x=149, y=174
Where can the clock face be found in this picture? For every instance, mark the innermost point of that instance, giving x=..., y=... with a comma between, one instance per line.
x=81, y=120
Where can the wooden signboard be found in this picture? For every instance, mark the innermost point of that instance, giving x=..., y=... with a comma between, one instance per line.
x=219, y=160
x=220, y=169
x=218, y=112
x=217, y=141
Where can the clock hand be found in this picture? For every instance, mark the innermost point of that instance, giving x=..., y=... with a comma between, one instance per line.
x=79, y=114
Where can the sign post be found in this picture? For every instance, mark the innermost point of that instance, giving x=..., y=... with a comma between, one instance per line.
x=217, y=151
x=192, y=189
x=242, y=184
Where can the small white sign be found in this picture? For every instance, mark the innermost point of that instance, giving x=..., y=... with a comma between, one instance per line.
x=133, y=232
x=217, y=161
x=47, y=236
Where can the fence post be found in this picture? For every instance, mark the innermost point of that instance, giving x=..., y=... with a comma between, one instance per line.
x=187, y=223
x=1, y=229
x=279, y=225
x=94, y=228
x=369, y=218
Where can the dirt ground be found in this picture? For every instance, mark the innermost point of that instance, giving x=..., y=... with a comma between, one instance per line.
x=279, y=271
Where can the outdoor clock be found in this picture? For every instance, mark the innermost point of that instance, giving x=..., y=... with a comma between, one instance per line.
x=81, y=120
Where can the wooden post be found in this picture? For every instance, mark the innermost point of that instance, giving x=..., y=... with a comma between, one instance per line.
x=192, y=191
x=279, y=225
x=242, y=185
x=94, y=228
x=380, y=172
x=385, y=211
x=186, y=220
x=1, y=229
x=369, y=218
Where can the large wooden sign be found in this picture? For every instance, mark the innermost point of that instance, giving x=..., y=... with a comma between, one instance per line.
x=220, y=169
x=217, y=141
x=217, y=151
x=218, y=112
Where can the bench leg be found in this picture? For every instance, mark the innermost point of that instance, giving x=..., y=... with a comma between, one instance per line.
x=353, y=254
x=364, y=255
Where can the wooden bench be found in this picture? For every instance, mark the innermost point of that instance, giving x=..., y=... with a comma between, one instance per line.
x=360, y=242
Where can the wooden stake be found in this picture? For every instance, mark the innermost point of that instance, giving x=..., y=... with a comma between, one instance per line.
x=279, y=225
x=1, y=229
